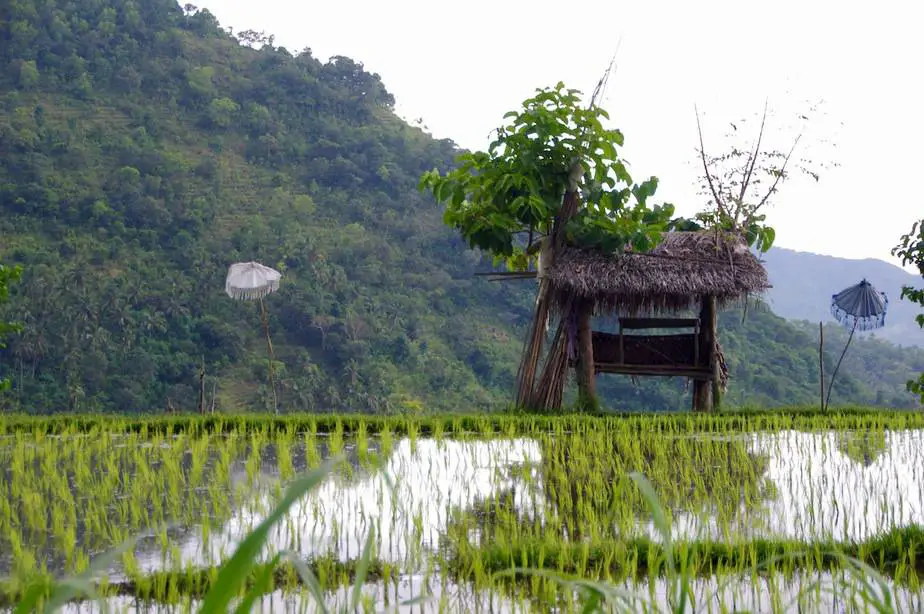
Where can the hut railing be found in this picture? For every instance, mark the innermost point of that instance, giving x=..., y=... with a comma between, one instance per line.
x=672, y=354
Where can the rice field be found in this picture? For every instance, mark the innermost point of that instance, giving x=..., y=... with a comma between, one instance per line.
x=761, y=512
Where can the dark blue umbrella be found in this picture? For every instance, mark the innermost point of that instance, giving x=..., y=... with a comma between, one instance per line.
x=860, y=307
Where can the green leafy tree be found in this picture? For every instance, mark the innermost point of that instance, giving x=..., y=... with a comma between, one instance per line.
x=28, y=74
x=221, y=112
x=552, y=177
x=506, y=200
x=7, y=275
x=911, y=251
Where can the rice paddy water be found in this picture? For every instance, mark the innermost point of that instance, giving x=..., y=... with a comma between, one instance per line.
x=672, y=513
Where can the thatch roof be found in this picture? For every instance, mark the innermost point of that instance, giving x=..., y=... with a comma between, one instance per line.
x=674, y=276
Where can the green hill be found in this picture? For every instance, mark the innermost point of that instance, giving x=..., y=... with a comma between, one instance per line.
x=145, y=150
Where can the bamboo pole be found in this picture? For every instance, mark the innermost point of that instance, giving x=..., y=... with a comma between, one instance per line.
x=821, y=362
x=269, y=351
x=551, y=384
x=838, y=365
x=202, y=386
x=532, y=350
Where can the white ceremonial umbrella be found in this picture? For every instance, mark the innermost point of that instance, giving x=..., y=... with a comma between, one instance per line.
x=253, y=281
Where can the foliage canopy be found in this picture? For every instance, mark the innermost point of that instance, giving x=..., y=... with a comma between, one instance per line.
x=911, y=251
x=505, y=200
x=7, y=275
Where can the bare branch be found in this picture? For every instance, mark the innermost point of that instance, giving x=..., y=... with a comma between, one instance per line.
x=601, y=84
x=755, y=155
x=702, y=155
x=779, y=175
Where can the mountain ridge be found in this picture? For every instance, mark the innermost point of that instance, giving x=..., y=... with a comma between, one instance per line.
x=803, y=283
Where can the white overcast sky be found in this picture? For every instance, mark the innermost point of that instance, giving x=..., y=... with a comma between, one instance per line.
x=460, y=66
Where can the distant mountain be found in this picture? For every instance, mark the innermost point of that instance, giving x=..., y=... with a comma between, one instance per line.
x=803, y=283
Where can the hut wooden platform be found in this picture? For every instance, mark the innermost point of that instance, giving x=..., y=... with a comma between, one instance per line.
x=688, y=273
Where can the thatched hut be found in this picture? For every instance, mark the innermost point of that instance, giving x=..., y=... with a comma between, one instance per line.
x=692, y=272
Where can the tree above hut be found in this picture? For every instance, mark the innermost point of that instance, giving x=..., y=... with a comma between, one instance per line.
x=552, y=178
x=508, y=200
x=553, y=187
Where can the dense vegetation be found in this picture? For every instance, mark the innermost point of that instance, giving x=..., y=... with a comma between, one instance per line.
x=149, y=150
x=145, y=149
x=911, y=251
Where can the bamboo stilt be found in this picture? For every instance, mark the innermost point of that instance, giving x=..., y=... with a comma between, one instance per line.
x=551, y=385
x=707, y=391
x=532, y=350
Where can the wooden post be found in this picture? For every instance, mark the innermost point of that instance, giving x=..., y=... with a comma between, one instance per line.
x=202, y=386
x=587, y=385
x=622, y=346
x=821, y=362
x=696, y=333
x=703, y=392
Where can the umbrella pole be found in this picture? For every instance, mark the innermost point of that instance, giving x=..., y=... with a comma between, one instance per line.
x=269, y=350
x=838, y=365
x=821, y=362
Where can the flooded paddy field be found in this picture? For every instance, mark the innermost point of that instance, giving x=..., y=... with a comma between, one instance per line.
x=501, y=514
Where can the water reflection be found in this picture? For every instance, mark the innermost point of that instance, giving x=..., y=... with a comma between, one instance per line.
x=862, y=448
x=719, y=478
x=823, y=492
x=790, y=484
x=407, y=502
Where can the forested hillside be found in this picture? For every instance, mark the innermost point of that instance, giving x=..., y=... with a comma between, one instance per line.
x=145, y=149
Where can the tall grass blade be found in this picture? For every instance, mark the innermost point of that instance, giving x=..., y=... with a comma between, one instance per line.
x=234, y=572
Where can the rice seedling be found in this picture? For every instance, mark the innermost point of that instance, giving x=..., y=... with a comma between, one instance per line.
x=754, y=508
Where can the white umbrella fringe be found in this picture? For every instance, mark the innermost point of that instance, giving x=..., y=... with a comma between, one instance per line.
x=251, y=294
x=860, y=307
x=251, y=281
